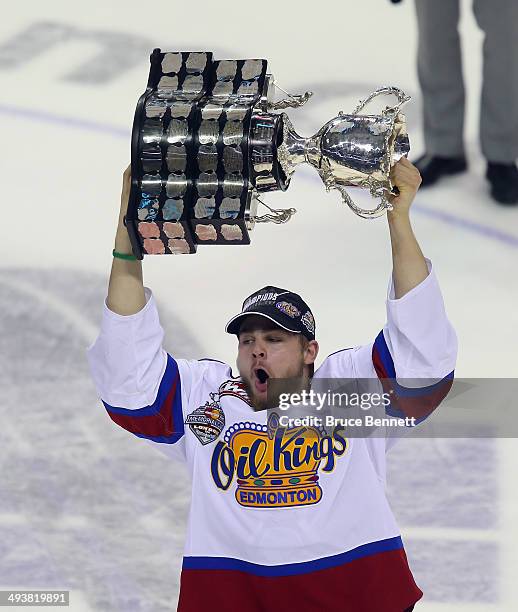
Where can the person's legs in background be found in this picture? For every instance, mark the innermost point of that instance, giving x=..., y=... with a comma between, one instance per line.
x=439, y=66
x=499, y=104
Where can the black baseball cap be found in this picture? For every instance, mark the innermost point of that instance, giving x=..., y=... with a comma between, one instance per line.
x=285, y=308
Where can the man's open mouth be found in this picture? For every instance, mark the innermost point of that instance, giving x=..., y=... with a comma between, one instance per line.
x=262, y=375
x=261, y=378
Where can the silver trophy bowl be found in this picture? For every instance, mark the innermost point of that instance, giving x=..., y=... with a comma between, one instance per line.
x=353, y=150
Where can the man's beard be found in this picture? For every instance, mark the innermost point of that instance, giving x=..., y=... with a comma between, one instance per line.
x=271, y=400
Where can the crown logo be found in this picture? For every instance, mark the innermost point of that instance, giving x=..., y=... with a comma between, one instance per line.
x=275, y=466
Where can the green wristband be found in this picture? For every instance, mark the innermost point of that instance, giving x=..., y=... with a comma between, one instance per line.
x=124, y=256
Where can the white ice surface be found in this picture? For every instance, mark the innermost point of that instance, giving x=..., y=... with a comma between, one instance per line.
x=85, y=506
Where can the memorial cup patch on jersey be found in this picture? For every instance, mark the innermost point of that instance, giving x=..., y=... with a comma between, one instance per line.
x=207, y=421
x=274, y=466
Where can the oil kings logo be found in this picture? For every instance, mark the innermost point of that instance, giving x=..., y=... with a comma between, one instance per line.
x=275, y=466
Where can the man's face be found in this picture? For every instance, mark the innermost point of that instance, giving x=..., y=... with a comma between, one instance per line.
x=267, y=351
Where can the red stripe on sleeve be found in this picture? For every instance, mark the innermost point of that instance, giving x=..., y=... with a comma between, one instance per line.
x=158, y=424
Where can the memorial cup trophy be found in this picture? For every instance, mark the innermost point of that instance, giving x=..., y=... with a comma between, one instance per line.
x=207, y=141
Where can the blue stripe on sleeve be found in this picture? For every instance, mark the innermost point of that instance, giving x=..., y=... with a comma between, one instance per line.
x=171, y=372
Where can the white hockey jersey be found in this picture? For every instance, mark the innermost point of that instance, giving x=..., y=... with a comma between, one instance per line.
x=278, y=522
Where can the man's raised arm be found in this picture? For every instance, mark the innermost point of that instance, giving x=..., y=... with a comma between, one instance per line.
x=417, y=347
x=409, y=264
x=126, y=289
x=415, y=353
x=138, y=382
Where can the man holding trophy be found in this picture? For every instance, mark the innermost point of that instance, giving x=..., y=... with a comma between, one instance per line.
x=281, y=517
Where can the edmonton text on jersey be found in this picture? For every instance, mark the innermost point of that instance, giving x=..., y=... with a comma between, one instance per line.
x=276, y=466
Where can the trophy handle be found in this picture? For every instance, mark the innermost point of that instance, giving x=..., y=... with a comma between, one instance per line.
x=276, y=215
x=400, y=95
x=292, y=101
x=366, y=213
